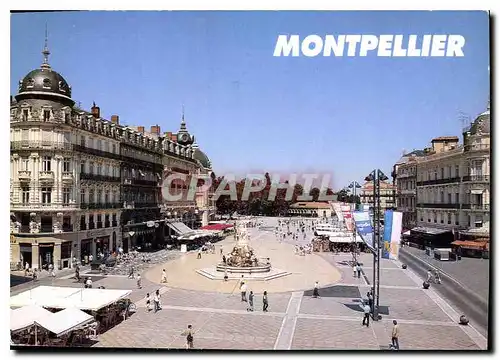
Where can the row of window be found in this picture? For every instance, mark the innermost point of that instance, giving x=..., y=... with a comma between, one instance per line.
x=407, y=185
x=97, y=196
x=99, y=169
x=98, y=144
x=96, y=222
x=447, y=218
x=46, y=193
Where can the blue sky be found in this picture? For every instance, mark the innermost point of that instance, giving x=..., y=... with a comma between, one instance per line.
x=251, y=111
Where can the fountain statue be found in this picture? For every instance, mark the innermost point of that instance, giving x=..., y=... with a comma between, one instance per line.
x=242, y=258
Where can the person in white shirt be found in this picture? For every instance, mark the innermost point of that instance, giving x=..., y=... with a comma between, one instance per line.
x=163, y=276
x=243, y=290
x=26, y=268
x=88, y=283
x=91, y=258
x=139, y=286
x=156, y=300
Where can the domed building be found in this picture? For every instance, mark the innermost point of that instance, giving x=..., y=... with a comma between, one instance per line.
x=80, y=184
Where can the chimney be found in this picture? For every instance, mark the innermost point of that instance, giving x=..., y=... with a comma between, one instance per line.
x=115, y=119
x=96, y=111
x=140, y=129
x=155, y=130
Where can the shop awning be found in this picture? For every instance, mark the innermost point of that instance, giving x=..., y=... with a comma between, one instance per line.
x=473, y=245
x=64, y=321
x=24, y=317
x=217, y=227
x=178, y=227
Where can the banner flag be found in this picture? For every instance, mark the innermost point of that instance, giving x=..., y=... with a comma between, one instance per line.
x=364, y=227
x=392, y=234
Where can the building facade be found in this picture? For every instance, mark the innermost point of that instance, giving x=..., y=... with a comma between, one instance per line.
x=310, y=209
x=387, y=195
x=452, y=183
x=81, y=184
x=65, y=189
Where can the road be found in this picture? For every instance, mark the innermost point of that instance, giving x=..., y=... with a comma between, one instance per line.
x=474, y=306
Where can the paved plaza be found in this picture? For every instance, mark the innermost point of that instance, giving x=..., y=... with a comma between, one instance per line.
x=295, y=320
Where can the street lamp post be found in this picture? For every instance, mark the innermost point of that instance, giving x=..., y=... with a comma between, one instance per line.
x=376, y=176
x=354, y=185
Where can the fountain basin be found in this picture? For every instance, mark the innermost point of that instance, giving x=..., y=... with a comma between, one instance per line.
x=244, y=270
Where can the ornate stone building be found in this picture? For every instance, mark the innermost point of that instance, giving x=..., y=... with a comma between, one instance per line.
x=64, y=174
x=387, y=195
x=404, y=176
x=453, y=183
x=188, y=209
x=82, y=185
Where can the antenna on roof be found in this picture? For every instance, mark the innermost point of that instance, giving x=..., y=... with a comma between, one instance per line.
x=465, y=120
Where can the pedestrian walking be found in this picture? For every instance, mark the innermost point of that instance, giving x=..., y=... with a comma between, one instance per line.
x=188, y=333
x=250, y=301
x=395, y=335
x=265, y=302
x=139, y=286
x=366, y=317
x=221, y=251
x=156, y=301
x=369, y=295
x=91, y=258
x=354, y=272
x=316, y=290
x=26, y=268
x=148, y=302
x=243, y=290
x=429, y=276
x=199, y=254
x=358, y=270
x=35, y=275
x=163, y=276
x=131, y=273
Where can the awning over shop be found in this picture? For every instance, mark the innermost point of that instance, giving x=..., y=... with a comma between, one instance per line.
x=429, y=231
x=217, y=227
x=24, y=317
x=197, y=234
x=473, y=245
x=344, y=239
x=66, y=297
x=64, y=321
x=179, y=228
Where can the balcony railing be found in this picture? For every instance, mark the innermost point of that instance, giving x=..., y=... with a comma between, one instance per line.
x=87, y=150
x=477, y=178
x=67, y=176
x=24, y=175
x=140, y=182
x=476, y=147
x=100, y=205
x=47, y=175
x=34, y=205
x=405, y=175
x=483, y=207
x=33, y=145
x=95, y=177
x=439, y=181
x=439, y=205
x=83, y=226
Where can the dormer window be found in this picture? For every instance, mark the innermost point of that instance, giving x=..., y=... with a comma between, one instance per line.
x=25, y=114
x=66, y=118
x=61, y=86
x=46, y=115
x=46, y=83
x=30, y=83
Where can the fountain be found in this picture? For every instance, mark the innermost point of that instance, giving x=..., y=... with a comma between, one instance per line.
x=242, y=259
x=242, y=262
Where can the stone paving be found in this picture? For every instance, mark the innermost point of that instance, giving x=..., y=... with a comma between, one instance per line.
x=295, y=320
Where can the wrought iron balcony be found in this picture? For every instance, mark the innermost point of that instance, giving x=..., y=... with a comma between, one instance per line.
x=439, y=181
x=34, y=145
x=481, y=207
x=439, y=205
x=476, y=178
x=87, y=150
x=100, y=205
x=95, y=177
x=140, y=182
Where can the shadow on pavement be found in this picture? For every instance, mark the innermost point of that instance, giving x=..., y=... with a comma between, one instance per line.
x=18, y=280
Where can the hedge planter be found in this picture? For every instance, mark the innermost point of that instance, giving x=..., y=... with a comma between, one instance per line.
x=425, y=285
x=464, y=320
